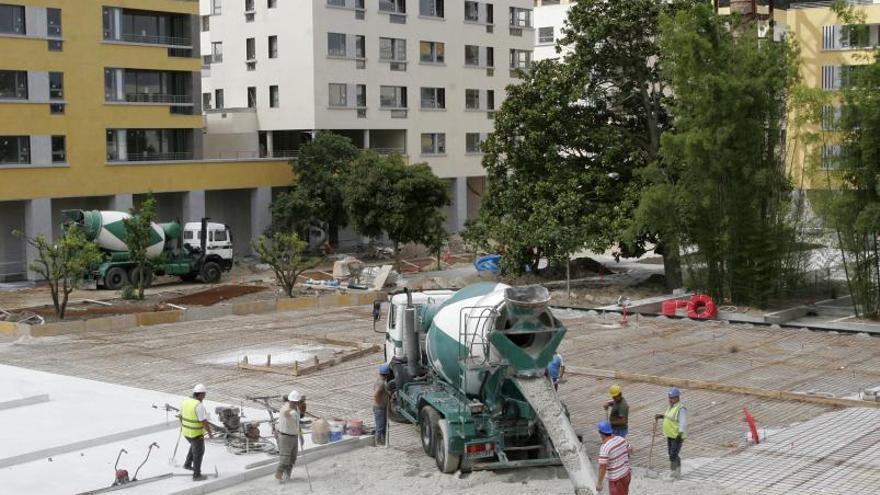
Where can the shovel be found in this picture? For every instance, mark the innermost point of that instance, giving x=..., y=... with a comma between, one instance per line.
x=651, y=473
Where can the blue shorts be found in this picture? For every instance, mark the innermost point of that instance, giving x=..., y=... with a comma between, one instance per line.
x=621, y=432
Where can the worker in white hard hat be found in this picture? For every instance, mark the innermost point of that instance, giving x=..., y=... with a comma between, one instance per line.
x=194, y=424
x=289, y=437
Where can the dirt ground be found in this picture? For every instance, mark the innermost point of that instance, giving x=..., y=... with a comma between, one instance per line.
x=215, y=295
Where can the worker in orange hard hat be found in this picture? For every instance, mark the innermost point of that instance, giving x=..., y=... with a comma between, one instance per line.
x=618, y=411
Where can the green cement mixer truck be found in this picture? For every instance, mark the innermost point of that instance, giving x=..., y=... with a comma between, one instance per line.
x=470, y=370
x=199, y=250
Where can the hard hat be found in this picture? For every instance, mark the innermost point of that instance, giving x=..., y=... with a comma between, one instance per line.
x=294, y=396
x=384, y=369
x=199, y=389
x=674, y=392
x=614, y=390
x=605, y=427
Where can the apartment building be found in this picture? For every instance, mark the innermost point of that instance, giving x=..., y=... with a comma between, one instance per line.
x=550, y=17
x=418, y=77
x=100, y=103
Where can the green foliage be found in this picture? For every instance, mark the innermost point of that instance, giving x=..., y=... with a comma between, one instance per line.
x=128, y=292
x=724, y=188
x=315, y=199
x=384, y=195
x=63, y=264
x=284, y=254
x=139, y=236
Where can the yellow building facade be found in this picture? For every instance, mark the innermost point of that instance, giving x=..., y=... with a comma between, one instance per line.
x=100, y=103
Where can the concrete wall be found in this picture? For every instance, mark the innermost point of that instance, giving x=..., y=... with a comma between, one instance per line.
x=169, y=207
x=12, y=252
x=232, y=207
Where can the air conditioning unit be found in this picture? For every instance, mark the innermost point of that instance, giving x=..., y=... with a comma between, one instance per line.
x=398, y=66
x=249, y=17
x=490, y=114
x=362, y=113
x=397, y=18
x=398, y=114
x=515, y=31
x=490, y=29
x=251, y=65
x=361, y=64
x=359, y=14
x=490, y=72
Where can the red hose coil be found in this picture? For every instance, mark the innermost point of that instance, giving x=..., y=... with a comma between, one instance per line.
x=701, y=307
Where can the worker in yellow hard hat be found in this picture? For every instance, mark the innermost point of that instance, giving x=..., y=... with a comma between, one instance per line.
x=618, y=411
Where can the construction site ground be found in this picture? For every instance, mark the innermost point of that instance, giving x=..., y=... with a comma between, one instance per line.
x=170, y=358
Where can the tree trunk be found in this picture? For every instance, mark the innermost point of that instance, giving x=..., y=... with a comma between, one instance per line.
x=672, y=266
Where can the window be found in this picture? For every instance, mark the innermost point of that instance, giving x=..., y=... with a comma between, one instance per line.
x=393, y=49
x=473, y=143
x=360, y=45
x=206, y=101
x=336, y=44
x=216, y=7
x=53, y=22
x=520, y=18
x=392, y=96
x=248, y=5
x=13, y=84
x=361, y=95
x=336, y=3
x=520, y=59
x=431, y=8
x=271, y=4
x=394, y=6
x=545, y=34
x=273, y=96
x=490, y=14
x=218, y=98
x=472, y=99
x=434, y=98
x=252, y=97
x=12, y=19
x=56, y=85
x=831, y=154
x=59, y=149
x=472, y=11
x=206, y=23
x=432, y=52
x=15, y=150
x=273, y=46
x=216, y=52
x=490, y=99
x=471, y=55
x=490, y=56
x=433, y=143
x=338, y=95
x=251, y=49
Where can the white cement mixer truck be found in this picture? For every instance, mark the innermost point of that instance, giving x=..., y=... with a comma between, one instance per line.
x=202, y=250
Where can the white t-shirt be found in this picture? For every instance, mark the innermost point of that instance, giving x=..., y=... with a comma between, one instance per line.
x=201, y=413
x=288, y=419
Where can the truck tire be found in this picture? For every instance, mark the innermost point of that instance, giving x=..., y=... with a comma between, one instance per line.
x=447, y=462
x=134, y=276
x=211, y=273
x=115, y=278
x=428, y=420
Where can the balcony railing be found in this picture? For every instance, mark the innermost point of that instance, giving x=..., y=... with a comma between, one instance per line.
x=168, y=156
x=159, y=98
x=157, y=40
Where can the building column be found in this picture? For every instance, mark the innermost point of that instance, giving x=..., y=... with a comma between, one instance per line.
x=459, y=203
x=366, y=139
x=193, y=206
x=261, y=214
x=37, y=221
x=270, y=144
x=122, y=202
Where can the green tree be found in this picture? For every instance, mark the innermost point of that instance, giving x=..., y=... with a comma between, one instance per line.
x=139, y=236
x=385, y=196
x=722, y=184
x=284, y=254
x=63, y=264
x=315, y=199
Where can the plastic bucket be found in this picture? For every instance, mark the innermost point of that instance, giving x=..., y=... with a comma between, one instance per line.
x=354, y=427
x=336, y=430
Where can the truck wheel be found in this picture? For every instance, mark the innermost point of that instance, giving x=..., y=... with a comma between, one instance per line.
x=115, y=278
x=135, y=277
x=428, y=420
x=211, y=273
x=447, y=462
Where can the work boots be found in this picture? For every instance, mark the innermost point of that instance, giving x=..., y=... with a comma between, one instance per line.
x=199, y=477
x=676, y=470
x=380, y=440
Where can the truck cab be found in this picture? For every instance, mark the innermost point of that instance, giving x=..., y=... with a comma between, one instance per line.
x=394, y=321
x=218, y=242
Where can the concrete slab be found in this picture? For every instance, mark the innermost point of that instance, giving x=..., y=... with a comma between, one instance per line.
x=24, y=401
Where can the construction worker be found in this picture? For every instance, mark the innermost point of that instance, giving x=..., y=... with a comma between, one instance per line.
x=555, y=370
x=619, y=414
x=674, y=429
x=194, y=424
x=613, y=461
x=289, y=437
x=381, y=395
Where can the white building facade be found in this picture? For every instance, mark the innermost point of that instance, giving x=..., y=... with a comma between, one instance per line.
x=550, y=17
x=418, y=77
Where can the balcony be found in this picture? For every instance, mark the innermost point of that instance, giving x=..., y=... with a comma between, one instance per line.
x=147, y=27
x=139, y=86
x=169, y=156
x=151, y=145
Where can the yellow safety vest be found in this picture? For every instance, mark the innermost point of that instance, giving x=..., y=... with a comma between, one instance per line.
x=670, y=421
x=189, y=419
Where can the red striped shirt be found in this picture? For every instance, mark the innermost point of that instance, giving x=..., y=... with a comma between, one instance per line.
x=614, y=454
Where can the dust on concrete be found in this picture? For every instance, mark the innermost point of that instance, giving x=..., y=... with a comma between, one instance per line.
x=370, y=471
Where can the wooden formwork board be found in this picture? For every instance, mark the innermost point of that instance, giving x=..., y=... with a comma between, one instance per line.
x=354, y=350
